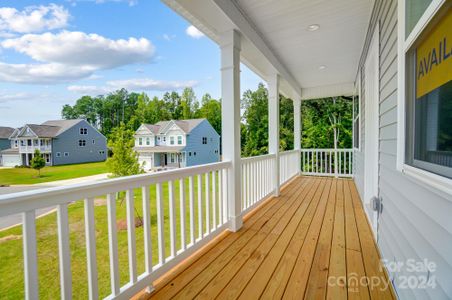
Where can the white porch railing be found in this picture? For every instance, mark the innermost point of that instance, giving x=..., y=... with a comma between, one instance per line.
x=289, y=165
x=257, y=180
x=327, y=162
x=201, y=194
x=32, y=149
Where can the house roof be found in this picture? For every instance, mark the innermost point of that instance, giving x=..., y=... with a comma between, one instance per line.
x=5, y=132
x=186, y=125
x=52, y=128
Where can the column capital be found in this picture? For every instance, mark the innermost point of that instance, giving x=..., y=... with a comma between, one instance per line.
x=231, y=38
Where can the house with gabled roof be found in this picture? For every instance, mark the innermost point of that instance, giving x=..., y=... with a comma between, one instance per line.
x=59, y=141
x=177, y=143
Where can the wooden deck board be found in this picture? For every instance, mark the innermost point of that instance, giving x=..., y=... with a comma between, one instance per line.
x=289, y=247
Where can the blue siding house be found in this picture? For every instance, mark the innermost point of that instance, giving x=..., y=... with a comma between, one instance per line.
x=177, y=143
x=60, y=142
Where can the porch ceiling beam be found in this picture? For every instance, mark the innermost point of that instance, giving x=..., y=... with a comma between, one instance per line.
x=248, y=30
x=343, y=89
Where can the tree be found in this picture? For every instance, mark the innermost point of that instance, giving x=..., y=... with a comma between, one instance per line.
x=211, y=110
x=124, y=161
x=38, y=162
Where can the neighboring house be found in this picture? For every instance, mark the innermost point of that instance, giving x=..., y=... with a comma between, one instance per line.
x=177, y=143
x=5, y=133
x=60, y=142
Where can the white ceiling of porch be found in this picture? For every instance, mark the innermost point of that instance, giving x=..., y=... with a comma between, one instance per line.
x=337, y=44
x=276, y=38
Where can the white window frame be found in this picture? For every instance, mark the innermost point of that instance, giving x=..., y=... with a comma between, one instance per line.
x=172, y=141
x=58, y=154
x=434, y=182
x=83, y=131
x=181, y=140
x=66, y=154
x=81, y=142
x=357, y=118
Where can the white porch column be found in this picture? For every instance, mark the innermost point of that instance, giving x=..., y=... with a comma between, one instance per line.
x=273, y=125
x=297, y=129
x=230, y=122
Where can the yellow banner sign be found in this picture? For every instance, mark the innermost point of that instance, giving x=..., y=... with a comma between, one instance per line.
x=434, y=57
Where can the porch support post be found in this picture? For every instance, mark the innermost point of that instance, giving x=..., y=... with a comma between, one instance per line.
x=297, y=130
x=230, y=123
x=273, y=126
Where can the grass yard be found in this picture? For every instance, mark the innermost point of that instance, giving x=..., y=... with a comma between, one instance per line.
x=11, y=257
x=52, y=173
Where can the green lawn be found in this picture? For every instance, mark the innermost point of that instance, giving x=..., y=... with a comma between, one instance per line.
x=29, y=176
x=11, y=257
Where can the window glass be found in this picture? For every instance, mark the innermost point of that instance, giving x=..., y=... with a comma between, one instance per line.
x=430, y=99
x=148, y=141
x=414, y=9
x=171, y=140
x=179, y=140
x=140, y=141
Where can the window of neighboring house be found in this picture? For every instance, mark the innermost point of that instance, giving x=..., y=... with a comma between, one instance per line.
x=83, y=131
x=140, y=141
x=204, y=140
x=194, y=153
x=429, y=98
x=36, y=142
x=171, y=140
x=179, y=140
x=164, y=138
x=66, y=153
x=148, y=141
x=47, y=156
x=22, y=142
x=94, y=141
x=102, y=152
x=172, y=158
x=15, y=144
x=82, y=143
x=58, y=154
x=29, y=142
x=189, y=153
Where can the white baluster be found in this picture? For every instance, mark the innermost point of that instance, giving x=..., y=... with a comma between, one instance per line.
x=192, y=209
x=147, y=229
x=172, y=218
x=130, y=205
x=90, y=236
x=113, y=244
x=183, y=243
x=30, y=255
x=160, y=228
x=64, y=252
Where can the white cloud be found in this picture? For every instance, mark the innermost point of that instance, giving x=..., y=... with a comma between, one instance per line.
x=33, y=18
x=69, y=56
x=8, y=97
x=169, y=37
x=194, y=32
x=89, y=89
x=129, y=2
x=41, y=73
x=133, y=84
x=80, y=49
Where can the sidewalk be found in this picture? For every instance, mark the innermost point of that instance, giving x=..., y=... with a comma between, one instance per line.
x=13, y=220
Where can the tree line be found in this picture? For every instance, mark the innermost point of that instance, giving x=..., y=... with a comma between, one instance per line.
x=108, y=112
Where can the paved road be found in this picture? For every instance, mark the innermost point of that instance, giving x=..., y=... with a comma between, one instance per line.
x=17, y=219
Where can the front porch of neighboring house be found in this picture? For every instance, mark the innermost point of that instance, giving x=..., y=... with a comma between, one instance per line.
x=161, y=160
x=286, y=224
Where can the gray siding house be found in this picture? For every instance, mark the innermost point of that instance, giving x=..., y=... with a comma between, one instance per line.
x=60, y=142
x=177, y=143
x=5, y=133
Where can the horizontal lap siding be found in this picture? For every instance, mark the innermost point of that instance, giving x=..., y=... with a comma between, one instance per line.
x=415, y=222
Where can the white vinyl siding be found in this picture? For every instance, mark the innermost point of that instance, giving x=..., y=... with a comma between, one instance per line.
x=415, y=222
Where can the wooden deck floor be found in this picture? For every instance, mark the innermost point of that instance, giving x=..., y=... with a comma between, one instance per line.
x=312, y=242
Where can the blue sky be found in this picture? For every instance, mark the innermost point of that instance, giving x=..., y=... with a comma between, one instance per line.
x=52, y=53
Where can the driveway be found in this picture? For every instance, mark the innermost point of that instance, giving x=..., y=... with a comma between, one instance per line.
x=13, y=220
